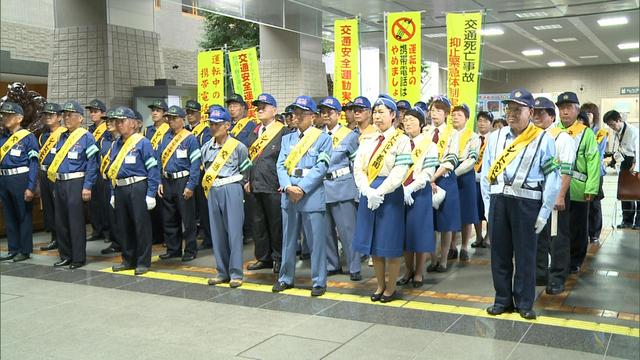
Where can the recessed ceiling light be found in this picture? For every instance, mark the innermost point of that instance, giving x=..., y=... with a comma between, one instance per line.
x=532, y=52
x=491, y=32
x=507, y=61
x=531, y=14
x=588, y=56
x=633, y=59
x=547, y=27
x=556, y=63
x=625, y=46
x=436, y=35
x=613, y=21
x=561, y=40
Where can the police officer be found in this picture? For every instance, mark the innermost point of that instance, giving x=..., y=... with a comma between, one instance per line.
x=106, y=144
x=179, y=154
x=134, y=174
x=225, y=159
x=519, y=185
x=340, y=190
x=241, y=126
x=139, y=121
x=302, y=165
x=362, y=114
x=155, y=133
x=74, y=170
x=553, y=277
x=51, y=115
x=585, y=179
x=263, y=183
x=98, y=204
x=349, y=115
x=18, y=171
x=403, y=107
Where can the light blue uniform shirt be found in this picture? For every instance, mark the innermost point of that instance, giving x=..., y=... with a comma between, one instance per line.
x=344, y=187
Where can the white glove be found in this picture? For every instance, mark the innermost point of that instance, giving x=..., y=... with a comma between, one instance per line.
x=374, y=200
x=112, y=201
x=151, y=202
x=408, y=190
x=540, y=223
x=478, y=177
x=365, y=191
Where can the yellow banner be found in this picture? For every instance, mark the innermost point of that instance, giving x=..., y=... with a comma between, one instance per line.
x=346, y=68
x=463, y=61
x=210, y=78
x=404, y=73
x=246, y=76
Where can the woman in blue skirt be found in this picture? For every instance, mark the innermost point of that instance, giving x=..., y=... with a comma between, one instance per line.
x=469, y=147
x=380, y=167
x=419, y=236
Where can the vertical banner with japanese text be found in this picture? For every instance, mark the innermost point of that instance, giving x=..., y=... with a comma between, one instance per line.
x=463, y=61
x=246, y=76
x=210, y=78
x=404, y=56
x=346, y=73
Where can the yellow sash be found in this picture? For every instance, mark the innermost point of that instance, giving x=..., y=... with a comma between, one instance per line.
x=157, y=137
x=117, y=162
x=465, y=135
x=214, y=169
x=14, y=139
x=342, y=133
x=50, y=143
x=105, y=162
x=301, y=148
x=366, y=133
x=418, y=150
x=443, y=140
x=510, y=153
x=240, y=125
x=199, y=128
x=575, y=129
x=478, y=166
x=99, y=131
x=601, y=135
x=258, y=146
x=377, y=160
x=173, y=145
x=555, y=132
x=60, y=155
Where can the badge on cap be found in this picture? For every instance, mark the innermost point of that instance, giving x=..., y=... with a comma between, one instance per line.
x=518, y=94
x=566, y=97
x=302, y=101
x=262, y=98
x=537, y=102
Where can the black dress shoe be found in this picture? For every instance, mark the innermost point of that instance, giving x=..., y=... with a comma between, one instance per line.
x=554, y=289
x=433, y=267
x=498, y=309
x=625, y=226
x=21, y=257
x=109, y=250
x=141, y=270
x=318, y=290
x=356, y=276
x=276, y=267
x=464, y=255
x=334, y=272
x=95, y=237
x=404, y=280
x=50, y=246
x=63, y=262
x=442, y=268
x=9, y=256
x=385, y=299
x=636, y=227
x=452, y=254
x=75, y=265
x=204, y=246
x=166, y=256
x=122, y=267
x=528, y=314
x=574, y=269
x=259, y=265
x=188, y=257
x=417, y=283
x=281, y=286
x=376, y=297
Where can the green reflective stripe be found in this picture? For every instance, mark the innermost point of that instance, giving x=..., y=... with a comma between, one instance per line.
x=32, y=154
x=566, y=168
x=151, y=162
x=245, y=164
x=352, y=156
x=195, y=155
x=91, y=150
x=324, y=157
x=403, y=157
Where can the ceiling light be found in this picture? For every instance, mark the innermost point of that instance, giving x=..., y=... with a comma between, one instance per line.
x=561, y=40
x=556, y=63
x=613, y=21
x=633, y=59
x=547, y=27
x=588, y=56
x=531, y=14
x=532, y=52
x=436, y=35
x=625, y=46
x=507, y=61
x=491, y=32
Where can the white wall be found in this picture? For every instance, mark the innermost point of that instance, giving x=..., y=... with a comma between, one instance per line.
x=38, y=13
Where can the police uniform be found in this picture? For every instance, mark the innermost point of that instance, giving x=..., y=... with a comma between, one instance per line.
x=157, y=227
x=18, y=172
x=135, y=187
x=370, y=131
x=520, y=200
x=115, y=231
x=309, y=212
x=341, y=192
x=225, y=199
x=182, y=171
x=98, y=212
x=243, y=135
x=77, y=172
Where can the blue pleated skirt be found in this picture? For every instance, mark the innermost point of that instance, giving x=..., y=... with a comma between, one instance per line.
x=381, y=232
x=468, y=198
x=447, y=217
x=419, y=235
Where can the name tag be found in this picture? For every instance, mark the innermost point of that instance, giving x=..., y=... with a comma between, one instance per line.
x=15, y=152
x=129, y=159
x=54, y=150
x=181, y=153
x=73, y=155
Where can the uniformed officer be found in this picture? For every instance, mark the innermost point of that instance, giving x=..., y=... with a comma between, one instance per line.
x=139, y=121
x=263, y=183
x=98, y=218
x=484, y=119
x=106, y=144
x=155, y=133
x=519, y=186
x=403, y=107
x=74, y=170
x=51, y=116
x=585, y=179
x=302, y=165
x=362, y=114
x=288, y=119
x=340, y=191
x=349, y=115
x=553, y=277
x=198, y=127
x=225, y=160
x=18, y=172
x=241, y=126
x=134, y=173
x=179, y=154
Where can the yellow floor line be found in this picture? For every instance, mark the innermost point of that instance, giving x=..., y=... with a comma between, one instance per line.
x=417, y=305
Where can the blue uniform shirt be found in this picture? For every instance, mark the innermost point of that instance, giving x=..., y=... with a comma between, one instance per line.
x=237, y=163
x=140, y=161
x=344, y=187
x=24, y=153
x=243, y=136
x=42, y=139
x=80, y=158
x=185, y=157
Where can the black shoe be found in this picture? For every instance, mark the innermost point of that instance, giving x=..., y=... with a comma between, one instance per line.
x=141, y=270
x=433, y=267
x=442, y=268
x=63, y=262
x=166, y=256
x=417, y=283
x=50, y=246
x=636, y=227
x=528, y=314
x=259, y=265
x=498, y=309
x=574, y=269
x=188, y=257
x=122, y=267
x=281, y=286
x=464, y=255
x=356, y=276
x=204, y=246
x=452, y=254
x=276, y=267
x=21, y=257
x=554, y=289
x=318, y=290
x=404, y=280
x=9, y=256
x=95, y=237
x=625, y=226
x=109, y=250
x=76, y=265
x=376, y=297
x=305, y=256
x=334, y=272
x=385, y=299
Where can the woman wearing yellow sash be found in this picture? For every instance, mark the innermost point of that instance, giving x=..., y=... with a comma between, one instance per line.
x=379, y=170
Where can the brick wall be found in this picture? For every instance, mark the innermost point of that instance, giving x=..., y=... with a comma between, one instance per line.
x=187, y=61
x=26, y=42
x=286, y=79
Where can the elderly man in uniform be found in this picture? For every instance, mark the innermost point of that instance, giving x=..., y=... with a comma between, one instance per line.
x=98, y=218
x=155, y=133
x=362, y=114
x=18, y=171
x=519, y=186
